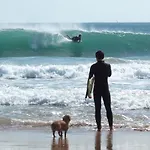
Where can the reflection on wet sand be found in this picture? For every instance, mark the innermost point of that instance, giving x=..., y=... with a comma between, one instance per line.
x=59, y=144
x=109, y=145
x=109, y=141
x=98, y=141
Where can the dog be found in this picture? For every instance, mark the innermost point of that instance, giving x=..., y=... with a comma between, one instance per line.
x=61, y=125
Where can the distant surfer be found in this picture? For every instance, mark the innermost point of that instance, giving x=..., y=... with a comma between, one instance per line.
x=76, y=39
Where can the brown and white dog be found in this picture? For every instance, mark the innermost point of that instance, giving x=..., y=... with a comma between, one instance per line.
x=61, y=125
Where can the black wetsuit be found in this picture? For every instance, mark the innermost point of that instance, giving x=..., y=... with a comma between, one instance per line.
x=76, y=39
x=101, y=71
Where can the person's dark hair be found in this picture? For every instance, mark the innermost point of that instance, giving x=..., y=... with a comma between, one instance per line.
x=99, y=55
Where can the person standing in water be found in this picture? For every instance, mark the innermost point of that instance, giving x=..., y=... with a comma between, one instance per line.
x=101, y=71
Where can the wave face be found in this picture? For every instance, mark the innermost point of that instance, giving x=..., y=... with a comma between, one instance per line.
x=116, y=39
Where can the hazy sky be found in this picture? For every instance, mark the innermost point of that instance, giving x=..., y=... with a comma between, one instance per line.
x=74, y=10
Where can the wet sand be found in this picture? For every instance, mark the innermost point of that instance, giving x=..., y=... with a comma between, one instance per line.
x=77, y=139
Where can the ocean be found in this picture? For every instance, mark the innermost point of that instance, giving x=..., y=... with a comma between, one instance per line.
x=43, y=75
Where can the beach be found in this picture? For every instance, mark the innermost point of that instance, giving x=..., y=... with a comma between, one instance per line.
x=77, y=139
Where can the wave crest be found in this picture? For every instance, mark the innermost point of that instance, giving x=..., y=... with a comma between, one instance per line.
x=49, y=40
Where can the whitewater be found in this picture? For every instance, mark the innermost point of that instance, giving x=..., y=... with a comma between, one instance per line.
x=43, y=75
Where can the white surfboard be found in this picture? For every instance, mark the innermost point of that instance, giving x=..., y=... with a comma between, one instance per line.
x=90, y=87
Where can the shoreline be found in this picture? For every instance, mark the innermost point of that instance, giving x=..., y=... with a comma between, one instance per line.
x=77, y=139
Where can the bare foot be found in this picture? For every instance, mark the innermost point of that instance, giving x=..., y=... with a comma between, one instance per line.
x=111, y=128
x=99, y=130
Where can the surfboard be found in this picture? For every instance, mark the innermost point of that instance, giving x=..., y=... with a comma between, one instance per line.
x=90, y=87
x=68, y=37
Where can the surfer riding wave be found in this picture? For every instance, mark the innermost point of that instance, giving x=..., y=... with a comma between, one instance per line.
x=75, y=38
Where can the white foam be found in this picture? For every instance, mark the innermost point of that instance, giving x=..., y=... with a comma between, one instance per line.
x=48, y=28
x=131, y=70
x=130, y=99
x=41, y=71
x=108, y=31
x=58, y=27
x=66, y=84
x=121, y=70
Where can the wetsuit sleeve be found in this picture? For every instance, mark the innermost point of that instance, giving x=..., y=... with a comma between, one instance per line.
x=109, y=70
x=91, y=73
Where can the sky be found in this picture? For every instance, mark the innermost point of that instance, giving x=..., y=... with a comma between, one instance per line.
x=47, y=11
